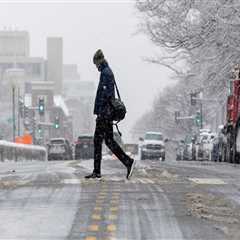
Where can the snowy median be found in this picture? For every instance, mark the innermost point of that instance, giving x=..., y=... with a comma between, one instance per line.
x=20, y=152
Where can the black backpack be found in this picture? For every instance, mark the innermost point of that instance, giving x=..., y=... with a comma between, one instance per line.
x=117, y=108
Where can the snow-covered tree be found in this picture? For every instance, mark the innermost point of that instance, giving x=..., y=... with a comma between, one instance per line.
x=201, y=40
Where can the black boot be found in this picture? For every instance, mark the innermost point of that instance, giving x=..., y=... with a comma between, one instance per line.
x=130, y=169
x=93, y=175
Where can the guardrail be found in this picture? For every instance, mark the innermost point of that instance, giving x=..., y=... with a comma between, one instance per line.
x=20, y=152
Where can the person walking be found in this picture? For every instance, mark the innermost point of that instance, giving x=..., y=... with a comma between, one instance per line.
x=104, y=124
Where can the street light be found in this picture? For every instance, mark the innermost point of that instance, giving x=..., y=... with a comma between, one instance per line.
x=15, y=76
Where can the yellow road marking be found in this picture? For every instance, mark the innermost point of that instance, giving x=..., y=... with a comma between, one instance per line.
x=96, y=217
x=115, y=197
x=113, y=209
x=99, y=201
x=101, y=197
x=98, y=209
x=111, y=228
x=90, y=238
x=104, y=190
x=114, y=202
x=112, y=217
x=116, y=194
x=94, y=228
x=102, y=194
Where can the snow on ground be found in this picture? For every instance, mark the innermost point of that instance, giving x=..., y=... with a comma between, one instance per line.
x=35, y=211
x=38, y=213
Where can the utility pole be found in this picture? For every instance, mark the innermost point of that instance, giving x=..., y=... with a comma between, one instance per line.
x=13, y=113
x=18, y=120
x=201, y=113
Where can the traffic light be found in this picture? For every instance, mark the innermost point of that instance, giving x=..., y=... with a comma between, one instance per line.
x=41, y=106
x=40, y=130
x=56, y=123
x=26, y=112
x=193, y=98
x=198, y=119
x=177, y=115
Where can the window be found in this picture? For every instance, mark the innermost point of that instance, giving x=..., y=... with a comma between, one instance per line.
x=153, y=136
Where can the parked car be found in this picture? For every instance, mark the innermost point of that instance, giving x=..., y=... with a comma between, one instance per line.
x=84, y=148
x=153, y=146
x=180, y=150
x=204, y=146
x=59, y=149
x=215, y=150
x=219, y=146
x=189, y=148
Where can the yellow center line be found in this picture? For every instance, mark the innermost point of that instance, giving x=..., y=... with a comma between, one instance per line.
x=115, y=198
x=111, y=228
x=99, y=201
x=101, y=197
x=113, y=209
x=96, y=217
x=103, y=194
x=98, y=209
x=112, y=217
x=90, y=238
x=116, y=194
x=114, y=202
x=94, y=228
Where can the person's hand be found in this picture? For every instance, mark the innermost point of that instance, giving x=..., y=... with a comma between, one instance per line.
x=99, y=117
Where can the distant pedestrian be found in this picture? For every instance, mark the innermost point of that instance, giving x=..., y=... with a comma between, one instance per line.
x=104, y=124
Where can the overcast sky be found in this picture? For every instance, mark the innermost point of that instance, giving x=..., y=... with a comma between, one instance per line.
x=86, y=26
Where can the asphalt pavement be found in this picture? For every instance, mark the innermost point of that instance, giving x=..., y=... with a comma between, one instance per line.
x=163, y=200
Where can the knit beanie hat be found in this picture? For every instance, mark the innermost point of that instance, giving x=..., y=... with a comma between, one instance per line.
x=98, y=57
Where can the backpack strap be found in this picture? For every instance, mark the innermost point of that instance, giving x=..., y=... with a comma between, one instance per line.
x=119, y=97
x=116, y=124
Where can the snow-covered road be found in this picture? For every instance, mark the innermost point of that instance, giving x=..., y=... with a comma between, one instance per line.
x=170, y=200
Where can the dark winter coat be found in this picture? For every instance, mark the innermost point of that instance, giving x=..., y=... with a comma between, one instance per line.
x=105, y=91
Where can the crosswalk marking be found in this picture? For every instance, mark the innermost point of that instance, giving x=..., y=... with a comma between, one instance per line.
x=211, y=181
x=72, y=181
x=138, y=180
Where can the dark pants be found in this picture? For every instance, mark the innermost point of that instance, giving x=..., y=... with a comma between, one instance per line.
x=104, y=131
